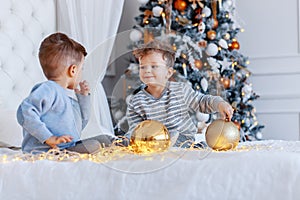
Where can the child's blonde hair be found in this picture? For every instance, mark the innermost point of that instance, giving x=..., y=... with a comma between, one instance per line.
x=168, y=54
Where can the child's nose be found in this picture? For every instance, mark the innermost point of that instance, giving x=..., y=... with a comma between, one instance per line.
x=148, y=69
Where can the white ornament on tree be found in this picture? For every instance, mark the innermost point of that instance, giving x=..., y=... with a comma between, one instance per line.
x=259, y=135
x=246, y=90
x=201, y=27
x=211, y=49
x=135, y=35
x=204, y=84
x=157, y=10
x=222, y=43
x=227, y=5
x=143, y=1
x=206, y=11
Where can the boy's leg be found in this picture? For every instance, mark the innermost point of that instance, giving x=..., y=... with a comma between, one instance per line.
x=92, y=145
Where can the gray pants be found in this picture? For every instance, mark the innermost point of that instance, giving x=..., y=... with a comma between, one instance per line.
x=93, y=144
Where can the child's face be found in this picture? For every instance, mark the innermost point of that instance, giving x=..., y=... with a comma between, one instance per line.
x=154, y=70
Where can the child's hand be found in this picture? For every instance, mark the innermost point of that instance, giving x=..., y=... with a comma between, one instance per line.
x=225, y=110
x=84, y=88
x=54, y=140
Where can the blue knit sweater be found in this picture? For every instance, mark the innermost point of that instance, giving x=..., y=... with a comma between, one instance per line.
x=49, y=111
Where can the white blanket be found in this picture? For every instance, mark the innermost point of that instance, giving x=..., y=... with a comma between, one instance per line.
x=257, y=170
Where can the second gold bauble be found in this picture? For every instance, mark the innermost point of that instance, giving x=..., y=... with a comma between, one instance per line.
x=222, y=135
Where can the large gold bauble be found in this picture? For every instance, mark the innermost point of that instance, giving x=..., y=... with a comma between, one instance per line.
x=150, y=136
x=222, y=135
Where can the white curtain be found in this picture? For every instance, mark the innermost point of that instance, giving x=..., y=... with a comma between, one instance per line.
x=94, y=24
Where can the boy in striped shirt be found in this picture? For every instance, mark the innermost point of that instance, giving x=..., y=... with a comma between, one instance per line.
x=168, y=102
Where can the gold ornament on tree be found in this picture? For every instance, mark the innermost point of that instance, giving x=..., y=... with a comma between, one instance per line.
x=226, y=82
x=202, y=44
x=211, y=34
x=180, y=5
x=147, y=14
x=234, y=45
x=150, y=136
x=198, y=64
x=222, y=135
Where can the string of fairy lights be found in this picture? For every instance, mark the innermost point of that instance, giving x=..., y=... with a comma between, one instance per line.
x=106, y=155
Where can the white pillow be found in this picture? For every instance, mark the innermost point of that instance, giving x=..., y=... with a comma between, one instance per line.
x=10, y=130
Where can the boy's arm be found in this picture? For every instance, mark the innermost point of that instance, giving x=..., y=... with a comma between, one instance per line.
x=85, y=108
x=84, y=100
x=133, y=119
x=201, y=102
x=30, y=111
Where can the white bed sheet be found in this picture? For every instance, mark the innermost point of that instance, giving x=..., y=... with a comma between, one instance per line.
x=262, y=170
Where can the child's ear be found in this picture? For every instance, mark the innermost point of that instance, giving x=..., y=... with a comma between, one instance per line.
x=72, y=70
x=170, y=72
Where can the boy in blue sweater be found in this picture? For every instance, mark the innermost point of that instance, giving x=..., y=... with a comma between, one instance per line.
x=50, y=117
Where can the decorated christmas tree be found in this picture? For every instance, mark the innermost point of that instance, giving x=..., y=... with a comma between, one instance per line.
x=204, y=34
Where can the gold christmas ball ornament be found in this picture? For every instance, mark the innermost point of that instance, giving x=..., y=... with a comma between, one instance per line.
x=222, y=135
x=226, y=82
x=150, y=136
x=234, y=45
x=180, y=5
x=211, y=34
x=198, y=64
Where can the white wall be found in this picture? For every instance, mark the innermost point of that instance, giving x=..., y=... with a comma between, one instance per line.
x=271, y=40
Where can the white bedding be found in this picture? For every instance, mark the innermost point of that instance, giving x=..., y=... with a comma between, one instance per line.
x=258, y=170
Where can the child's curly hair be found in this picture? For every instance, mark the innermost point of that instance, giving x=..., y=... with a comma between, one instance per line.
x=164, y=48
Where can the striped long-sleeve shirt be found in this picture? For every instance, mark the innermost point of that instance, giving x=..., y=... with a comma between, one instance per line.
x=171, y=109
